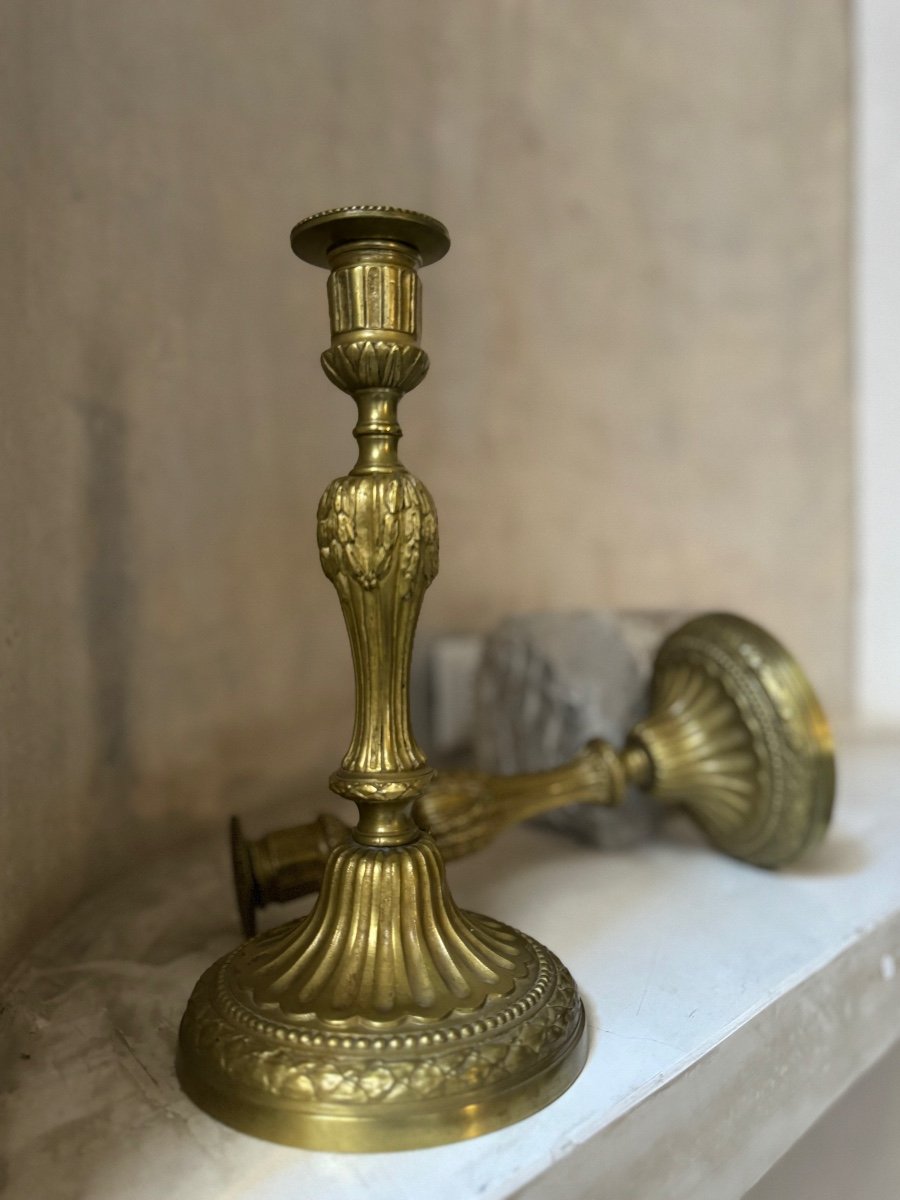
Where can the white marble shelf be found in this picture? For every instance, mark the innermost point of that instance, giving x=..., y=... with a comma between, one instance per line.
x=728, y=1008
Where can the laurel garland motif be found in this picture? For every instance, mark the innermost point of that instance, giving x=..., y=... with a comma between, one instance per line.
x=362, y=520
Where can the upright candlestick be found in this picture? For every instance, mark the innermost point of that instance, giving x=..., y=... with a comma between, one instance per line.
x=388, y=1018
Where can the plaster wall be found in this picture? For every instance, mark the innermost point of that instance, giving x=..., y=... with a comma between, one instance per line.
x=876, y=171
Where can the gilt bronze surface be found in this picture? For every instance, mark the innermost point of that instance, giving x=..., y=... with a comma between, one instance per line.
x=388, y=1018
x=735, y=737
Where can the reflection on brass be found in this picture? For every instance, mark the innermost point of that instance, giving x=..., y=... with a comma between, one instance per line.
x=388, y=1018
x=735, y=737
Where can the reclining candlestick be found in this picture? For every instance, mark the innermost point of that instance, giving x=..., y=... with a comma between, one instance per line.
x=388, y=1018
x=735, y=737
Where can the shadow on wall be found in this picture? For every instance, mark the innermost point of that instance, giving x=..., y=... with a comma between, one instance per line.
x=109, y=588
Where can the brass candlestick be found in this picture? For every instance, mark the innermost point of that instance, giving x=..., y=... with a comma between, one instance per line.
x=388, y=1018
x=735, y=737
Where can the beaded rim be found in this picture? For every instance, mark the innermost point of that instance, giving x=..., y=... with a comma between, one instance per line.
x=313, y=238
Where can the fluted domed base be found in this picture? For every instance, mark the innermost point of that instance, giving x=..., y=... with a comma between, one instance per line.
x=737, y=737
x=388, y=1019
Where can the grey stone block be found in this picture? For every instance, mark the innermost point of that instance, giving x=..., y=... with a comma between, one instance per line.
x=548, y=682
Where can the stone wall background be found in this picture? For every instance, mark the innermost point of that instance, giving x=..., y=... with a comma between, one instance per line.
x=639, y=393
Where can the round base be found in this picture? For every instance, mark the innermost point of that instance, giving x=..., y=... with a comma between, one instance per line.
x=351, y=1085
x=737, y=737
